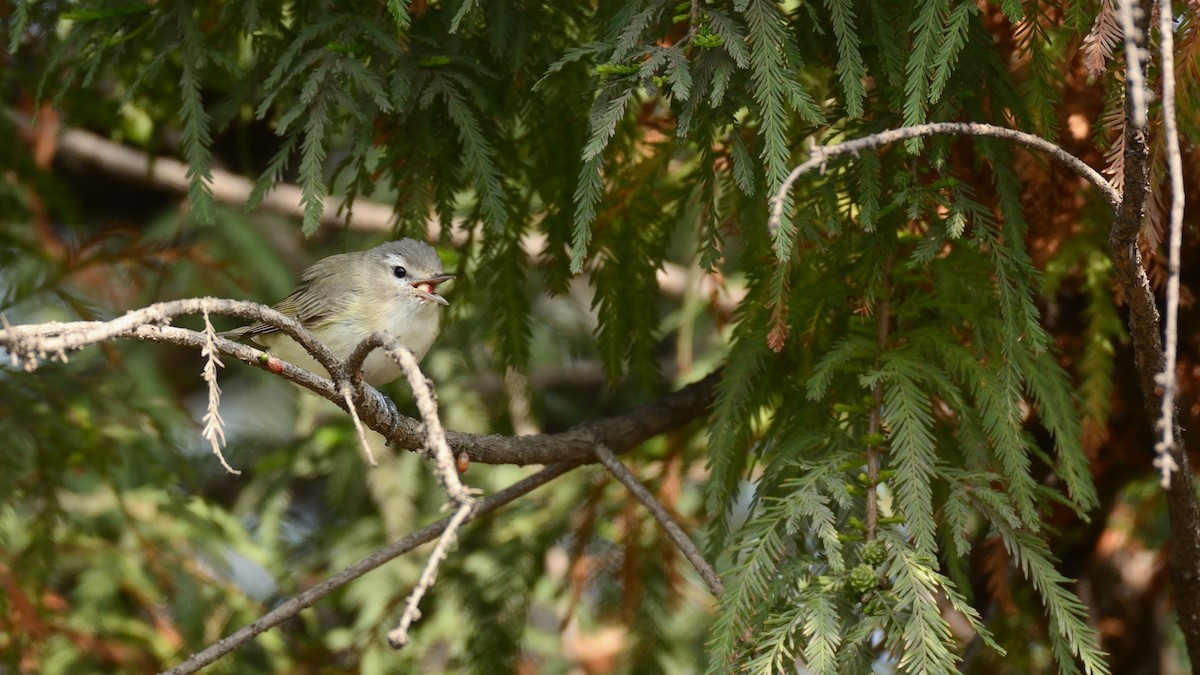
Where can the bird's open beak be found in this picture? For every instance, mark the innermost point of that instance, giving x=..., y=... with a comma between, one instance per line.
x=425, y=288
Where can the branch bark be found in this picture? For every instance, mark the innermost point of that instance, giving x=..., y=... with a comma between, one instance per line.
x=375, y=410
x=660, y=513
x=821, y=154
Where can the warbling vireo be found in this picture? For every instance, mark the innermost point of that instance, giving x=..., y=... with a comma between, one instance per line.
x=344, y=298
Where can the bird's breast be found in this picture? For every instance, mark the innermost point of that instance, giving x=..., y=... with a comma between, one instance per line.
x=416, y=328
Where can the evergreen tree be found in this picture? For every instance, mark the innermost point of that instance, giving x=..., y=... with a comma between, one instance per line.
x=904, y=462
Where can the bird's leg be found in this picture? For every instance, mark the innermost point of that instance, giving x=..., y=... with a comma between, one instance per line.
x=393, y=413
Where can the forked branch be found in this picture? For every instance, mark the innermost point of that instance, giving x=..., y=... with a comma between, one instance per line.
x=28, y=345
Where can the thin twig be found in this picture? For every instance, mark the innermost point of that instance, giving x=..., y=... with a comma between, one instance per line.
x=820, y=154
x=673, y=530
x=427, y=405
x=1165, y=448
x=398, y=636
x=693, y=20
x=444, y=461
x=292, y=607
x=348, y=397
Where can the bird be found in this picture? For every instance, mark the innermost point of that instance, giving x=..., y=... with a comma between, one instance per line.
x=346, y=297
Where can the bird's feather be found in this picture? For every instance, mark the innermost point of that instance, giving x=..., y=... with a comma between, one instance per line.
x=319, y=295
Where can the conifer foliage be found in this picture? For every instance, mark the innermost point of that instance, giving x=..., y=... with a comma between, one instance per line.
x=890, y=343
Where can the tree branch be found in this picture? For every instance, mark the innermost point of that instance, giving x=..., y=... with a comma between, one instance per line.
x=447, y=474
x=394, y=550
x=656, y=509
x=29, y=343
x=819, y=155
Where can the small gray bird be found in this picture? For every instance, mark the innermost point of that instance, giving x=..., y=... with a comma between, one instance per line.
x=344, y=298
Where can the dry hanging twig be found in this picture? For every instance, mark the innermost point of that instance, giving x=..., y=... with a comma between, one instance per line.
x=444, y=461
x=213, y=424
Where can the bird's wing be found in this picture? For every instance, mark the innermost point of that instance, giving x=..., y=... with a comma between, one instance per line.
x=311, y=303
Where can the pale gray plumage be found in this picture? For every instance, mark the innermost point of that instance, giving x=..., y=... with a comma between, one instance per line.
x=345, y=297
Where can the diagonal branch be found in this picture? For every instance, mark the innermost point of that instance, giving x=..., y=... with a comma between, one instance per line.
x=29, y=345
x=656, y=509
x=292, y=607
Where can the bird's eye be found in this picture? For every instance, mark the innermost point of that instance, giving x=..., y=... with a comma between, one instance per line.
x=399, y=271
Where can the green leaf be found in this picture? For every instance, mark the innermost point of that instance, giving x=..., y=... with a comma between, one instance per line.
x=745, y=588
x=850, y=67
x=732, y=33
x=461, y=14
x=197, y=138
x=1070, y=633
x=678, y=73
x=908, y=415
x=822, y=628
x=312, y=165
x=926, y=45
x=925, y=641
x=854, y=349
x=478, y=158
x=1050, y=389
x=399, y=11
x=776, y=88
x=955, y=37
x=266, y=181
x=607, y=111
